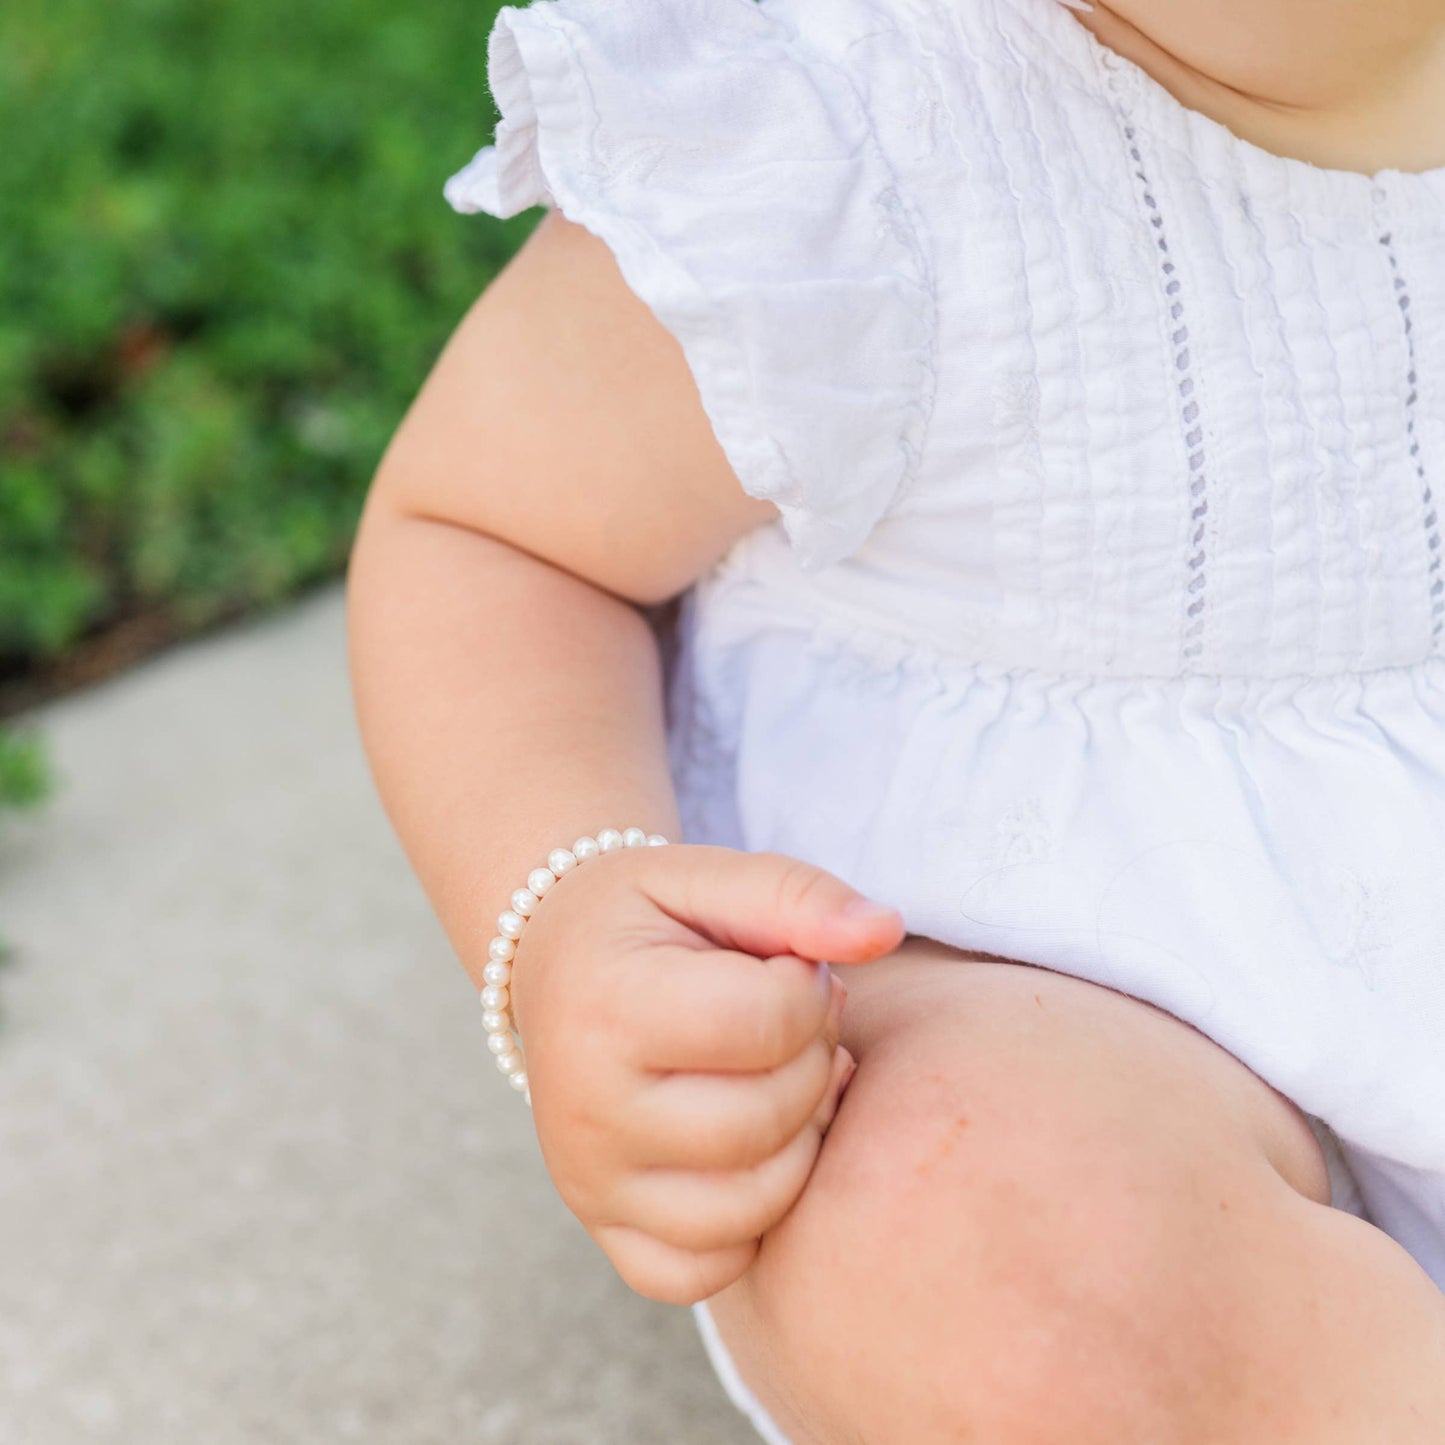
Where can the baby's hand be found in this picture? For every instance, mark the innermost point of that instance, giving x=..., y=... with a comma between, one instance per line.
x=682, y=1051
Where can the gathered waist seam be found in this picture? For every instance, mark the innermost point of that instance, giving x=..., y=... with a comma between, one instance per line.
x=734, y=585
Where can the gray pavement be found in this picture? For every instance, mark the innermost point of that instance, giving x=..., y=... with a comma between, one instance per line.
x=259, y=1181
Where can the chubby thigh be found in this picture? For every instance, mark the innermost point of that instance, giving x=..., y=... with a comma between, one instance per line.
x=1049, y=1211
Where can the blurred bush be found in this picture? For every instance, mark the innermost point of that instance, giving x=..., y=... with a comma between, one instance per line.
x=225, y=266
x=24, y=779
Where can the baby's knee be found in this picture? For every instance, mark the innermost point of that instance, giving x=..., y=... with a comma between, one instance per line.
x=978, y=1255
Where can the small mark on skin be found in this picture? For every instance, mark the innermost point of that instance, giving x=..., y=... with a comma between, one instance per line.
x=944, y=1148
x=1038, y=1001
x=1223, y=1206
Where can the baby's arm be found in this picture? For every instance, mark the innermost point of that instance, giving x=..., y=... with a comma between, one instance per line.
x=556, y=470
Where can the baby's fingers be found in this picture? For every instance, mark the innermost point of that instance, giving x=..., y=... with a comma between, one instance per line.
x=706, y=1210
x=698, y=1120
x=842, y=1063
x=843, y=1066
x=727, y=1121
x=711, y=1009
x=668, y=1274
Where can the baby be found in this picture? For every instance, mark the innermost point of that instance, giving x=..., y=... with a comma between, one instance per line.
x=1032, y=420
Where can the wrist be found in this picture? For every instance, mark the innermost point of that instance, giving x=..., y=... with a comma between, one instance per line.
x=503, y=1040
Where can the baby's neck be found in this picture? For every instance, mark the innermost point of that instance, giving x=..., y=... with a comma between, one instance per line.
x=1355, y=85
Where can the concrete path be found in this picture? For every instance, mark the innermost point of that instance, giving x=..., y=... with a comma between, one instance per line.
x=259, y=1181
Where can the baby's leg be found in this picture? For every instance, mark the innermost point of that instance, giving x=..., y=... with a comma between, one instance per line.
x=1050, y=1214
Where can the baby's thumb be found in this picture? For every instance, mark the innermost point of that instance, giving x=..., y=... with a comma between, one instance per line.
x=769, y=903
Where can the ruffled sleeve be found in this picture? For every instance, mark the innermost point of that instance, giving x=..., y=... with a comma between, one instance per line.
x=733, y=171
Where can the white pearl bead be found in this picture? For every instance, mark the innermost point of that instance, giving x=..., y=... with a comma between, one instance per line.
x=656, y=840
x=561, y=860
x=496, y=972
x=500, y=1043
x=518, y=1081
x=494, y=1022
x=609, y=840
x=509, y=1063
x=501, y=949
x=495, y=998
x=634, y=838
x=539, y=880
x=510, y=924
x=524, y=901
x=585, y=848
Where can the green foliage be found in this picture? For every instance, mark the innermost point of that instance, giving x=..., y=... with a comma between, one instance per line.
x=24, y=779
x=225, y=266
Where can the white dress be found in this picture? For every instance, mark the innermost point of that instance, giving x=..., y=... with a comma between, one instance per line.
x=1102, y=627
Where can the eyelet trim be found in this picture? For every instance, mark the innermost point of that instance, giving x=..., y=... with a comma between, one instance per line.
x=1431, y=514
x=1195, y=600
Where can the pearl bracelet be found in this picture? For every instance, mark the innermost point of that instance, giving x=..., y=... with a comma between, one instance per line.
x=502, y=1037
